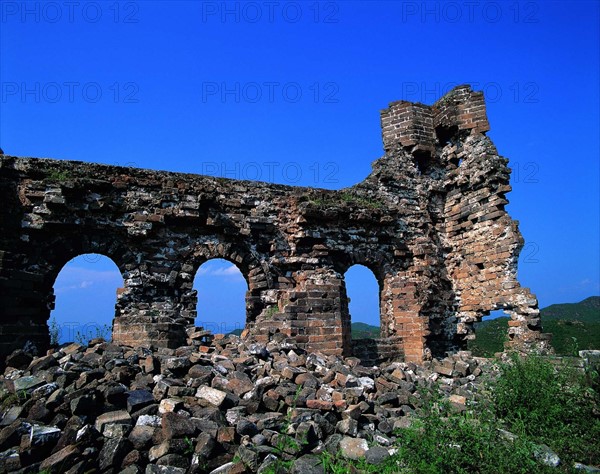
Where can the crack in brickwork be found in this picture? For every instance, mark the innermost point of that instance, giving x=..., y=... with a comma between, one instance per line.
x=429, y=221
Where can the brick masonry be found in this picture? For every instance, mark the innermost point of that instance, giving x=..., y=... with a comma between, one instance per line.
x=429, y=221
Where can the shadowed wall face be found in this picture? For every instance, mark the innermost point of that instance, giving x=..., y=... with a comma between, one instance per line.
x=429, y=222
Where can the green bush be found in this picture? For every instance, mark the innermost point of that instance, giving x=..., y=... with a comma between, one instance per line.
x=59, y=176
x=556, y=406
x=536, y=402
x=443, y=440
x=490, y=336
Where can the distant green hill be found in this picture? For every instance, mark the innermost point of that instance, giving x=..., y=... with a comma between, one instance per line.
x=587, y=310
x=490, y=337
x=574, y=326
x=364, y=331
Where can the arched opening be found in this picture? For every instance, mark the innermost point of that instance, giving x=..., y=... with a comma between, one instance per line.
x=85, y=297
x=222, y=290
x=363, y=291
x=490, y=334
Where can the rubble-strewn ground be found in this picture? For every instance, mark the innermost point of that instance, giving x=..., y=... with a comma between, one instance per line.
x=232, y=406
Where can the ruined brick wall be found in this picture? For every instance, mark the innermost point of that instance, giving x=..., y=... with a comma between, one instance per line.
x=429, y=222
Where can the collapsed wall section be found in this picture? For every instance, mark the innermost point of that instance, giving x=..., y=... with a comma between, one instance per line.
x=429, y=222
x=478, y=243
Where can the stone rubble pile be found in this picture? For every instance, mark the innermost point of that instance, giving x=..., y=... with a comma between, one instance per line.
x=222, y=405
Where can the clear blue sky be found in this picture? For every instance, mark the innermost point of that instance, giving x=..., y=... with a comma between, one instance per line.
x=290, y=92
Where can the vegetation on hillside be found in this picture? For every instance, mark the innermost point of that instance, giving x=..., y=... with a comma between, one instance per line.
x=574, y=327
x=531, y=410
x=587, y=310
x=364, y=331
x=490, y=336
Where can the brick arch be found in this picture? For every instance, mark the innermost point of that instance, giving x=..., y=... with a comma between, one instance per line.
x=379, y=275
x=43, y=260
x=257, y=273
x=253, y=267
x=378, y=262
x=206, y=321
x=63, y=249
x=390, y=343
x=111, y=299
x=56, y=254
x=348, y=317
x=242, y=257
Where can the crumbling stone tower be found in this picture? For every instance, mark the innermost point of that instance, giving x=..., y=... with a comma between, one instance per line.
x=429, y=221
